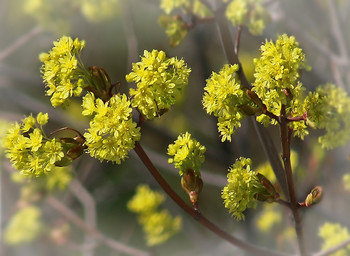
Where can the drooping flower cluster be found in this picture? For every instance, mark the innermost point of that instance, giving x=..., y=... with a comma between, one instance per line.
x=29, y=149
x=224, y=97
x=243, y=185
x=277, y=76
x=187, y=153
x=333, y=234
x=112, y=131
x=63, y=72
x=160, y=80
x=175, y=28
x=158, y=225
x=250, y=13
x=329, y=108
x=24, y=226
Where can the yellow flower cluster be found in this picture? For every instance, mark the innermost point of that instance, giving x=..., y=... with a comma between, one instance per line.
x=63, y=72
x=112, y=131
x=160, y=80
x=159, y=226
x=239, y=193
x=250, y=13
x=188, y=153
x=24, y=226
x=329, y=108
x=277, y=76
x=333, y=234
x=29, y=149
x=224, y=97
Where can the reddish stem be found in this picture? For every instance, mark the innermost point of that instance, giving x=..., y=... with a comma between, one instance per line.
x=195, y=213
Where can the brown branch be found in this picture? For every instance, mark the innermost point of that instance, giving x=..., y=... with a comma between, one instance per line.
x=69, y=214
x=196, y=214
x=294, y=205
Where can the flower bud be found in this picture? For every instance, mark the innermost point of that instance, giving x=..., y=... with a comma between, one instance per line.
x=72, y=148
x=255, y=98
x=314, y=196
x=192, y=184
x=268, y=193
x=101, y=82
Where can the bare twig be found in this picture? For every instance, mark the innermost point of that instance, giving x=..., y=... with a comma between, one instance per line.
x=117, y=246
x=19, y=42
x=333, y=249
x=88, y=203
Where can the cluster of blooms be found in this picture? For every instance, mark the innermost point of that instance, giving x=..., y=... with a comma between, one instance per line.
x=29, y=149
x=63, y=72
x=196, y=7
x=224, y=97
x=188, y=153
x=54, y=15
x=329, y=108
x=160, y=80
x=333, y=234
x=243, y=185
x=112, y=131
x=175, y=28
x=277, y=77
x=269, y=217
x=346, y=181
x=158, y=226
x=249, y=13
x=24, y=226
x=97, y=11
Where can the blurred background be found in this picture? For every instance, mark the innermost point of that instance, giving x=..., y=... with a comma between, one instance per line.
x=116, y=34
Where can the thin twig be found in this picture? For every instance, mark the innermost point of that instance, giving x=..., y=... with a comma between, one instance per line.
x=88, y=203
x=333, y=249
x=19, y=42
x=117, y=246
x=196, y=214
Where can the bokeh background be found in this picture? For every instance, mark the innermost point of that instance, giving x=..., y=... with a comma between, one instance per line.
x=116, y=34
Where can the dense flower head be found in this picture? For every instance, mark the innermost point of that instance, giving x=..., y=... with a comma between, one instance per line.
x=277, y=75
x=224, y=97
x=242, y=186
x=63, y=72
x=269, y=217
x=145, y=200
x=198, y=8
x=249, y=13
x=112, y=131
x=160, y=80
x=158, y=225
x=333, y=234
x=175, y=28
x=101, y=10
x=24, y=226
x=187, y=153
x=329, y=108
x=29, y=149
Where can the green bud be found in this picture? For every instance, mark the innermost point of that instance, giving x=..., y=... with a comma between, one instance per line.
x=314, y=196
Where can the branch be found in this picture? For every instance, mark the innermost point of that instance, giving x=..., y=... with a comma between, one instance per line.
x=265, y=139
x=89, y=210
x=19, y=43
x=333, y=249
x=195, y=214
x=294, y=205
x=69, y=214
